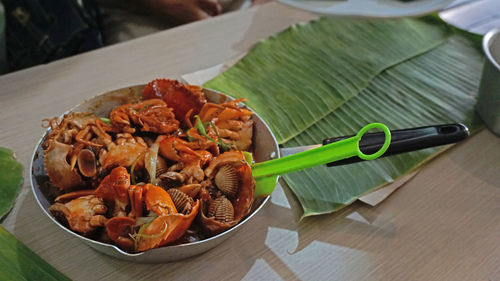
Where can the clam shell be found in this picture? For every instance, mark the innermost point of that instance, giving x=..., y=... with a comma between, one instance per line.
x=221, y=209
x=161, y=166
x=172, y=179
x=227, y=181
x=183, y=203
x=87, y=163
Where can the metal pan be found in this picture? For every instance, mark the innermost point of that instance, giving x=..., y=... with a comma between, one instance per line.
x=264, y=147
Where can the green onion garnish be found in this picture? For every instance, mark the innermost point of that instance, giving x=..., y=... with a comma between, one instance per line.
x=201, y=128
x=105, y=120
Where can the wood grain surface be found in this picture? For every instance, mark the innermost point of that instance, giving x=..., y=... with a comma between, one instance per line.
x=444, y=224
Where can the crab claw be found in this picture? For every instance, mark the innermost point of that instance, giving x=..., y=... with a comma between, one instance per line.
x=158, y=200
x=234, y=124
x=165, y=229
x=176, y=149
x=118, y=230
x=168, y=226
x=114, y=188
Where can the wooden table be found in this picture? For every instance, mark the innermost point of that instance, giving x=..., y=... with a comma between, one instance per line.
x=443, y=225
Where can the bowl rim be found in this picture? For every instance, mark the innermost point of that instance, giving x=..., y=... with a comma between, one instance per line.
x=488, y=40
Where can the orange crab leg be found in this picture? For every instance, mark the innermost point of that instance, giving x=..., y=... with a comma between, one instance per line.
x=210, y=111
x=83, y=137
x=135, y=195
x=74, y=154
x=232, y=113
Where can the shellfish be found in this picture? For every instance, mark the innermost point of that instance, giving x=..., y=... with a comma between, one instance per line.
x=168, y=226
x=183, y=203
x=151, y=116
x=87, y=163
x=221, y=209
x=227, y=181
x=83, y=214
x=111, y=168
x=242, y=200
x=183, y=98
x=233, y=123
x=161, y=166
x=114, y=188
x=58, y=169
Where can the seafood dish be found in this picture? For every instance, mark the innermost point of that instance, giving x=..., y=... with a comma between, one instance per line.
x=170, y=168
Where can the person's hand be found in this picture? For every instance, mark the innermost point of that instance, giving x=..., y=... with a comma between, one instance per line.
x=183, y=11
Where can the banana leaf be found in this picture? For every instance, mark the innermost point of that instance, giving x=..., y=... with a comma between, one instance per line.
x=435, y=88
x=308, y=84
x=18, y=262
x=304, y=73
x=11, y=177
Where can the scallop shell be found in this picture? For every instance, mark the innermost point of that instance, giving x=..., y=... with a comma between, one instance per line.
x=227, y=181
x=183, y=203
x=221, y=209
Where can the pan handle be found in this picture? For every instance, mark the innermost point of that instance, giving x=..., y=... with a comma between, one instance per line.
x=405, y=140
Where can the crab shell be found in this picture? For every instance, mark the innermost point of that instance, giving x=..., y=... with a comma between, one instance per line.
x=58, y=169
x=181, y=97
x=83, y=214
x=243, y=200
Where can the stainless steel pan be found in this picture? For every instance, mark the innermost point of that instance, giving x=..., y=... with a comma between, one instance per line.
x=265, y=147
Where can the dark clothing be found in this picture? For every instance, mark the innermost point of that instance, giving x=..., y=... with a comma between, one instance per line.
x=40, y=31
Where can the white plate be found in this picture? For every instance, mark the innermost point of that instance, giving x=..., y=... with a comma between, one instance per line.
x=370, y=8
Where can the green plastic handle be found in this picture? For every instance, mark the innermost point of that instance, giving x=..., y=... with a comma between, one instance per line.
x=265, y=172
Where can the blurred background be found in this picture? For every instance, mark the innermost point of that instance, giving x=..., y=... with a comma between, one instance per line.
x=34, y=32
